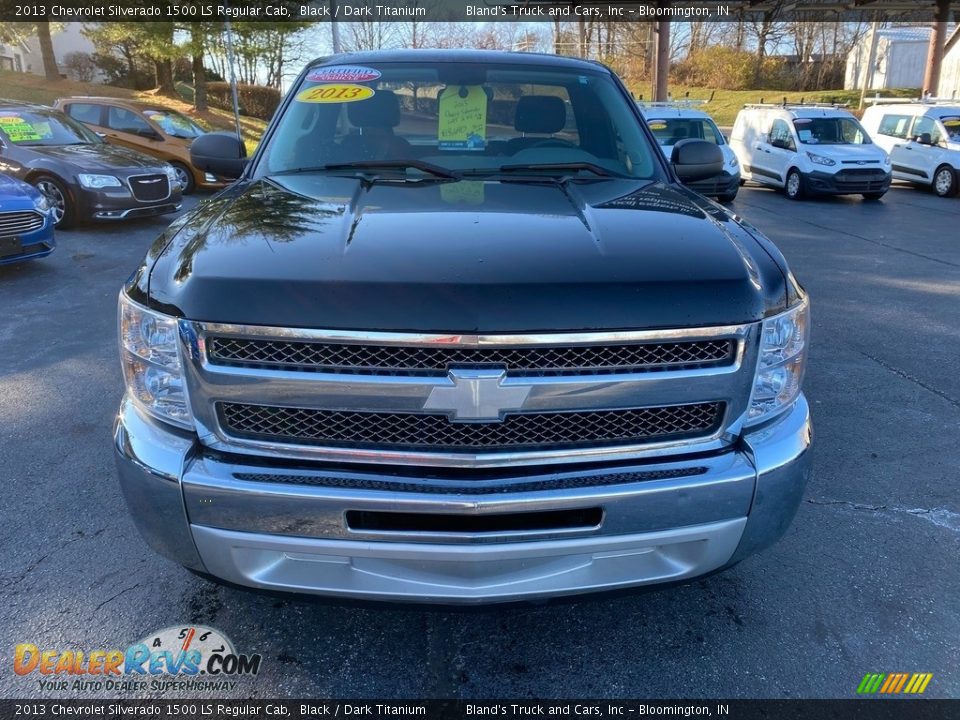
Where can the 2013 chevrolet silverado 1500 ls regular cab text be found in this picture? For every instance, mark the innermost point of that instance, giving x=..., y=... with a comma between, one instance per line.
x=459, y=334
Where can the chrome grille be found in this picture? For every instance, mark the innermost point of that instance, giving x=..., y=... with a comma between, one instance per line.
x=19, y=223
x=147, y=188
x=400, y=360
x=550, y=430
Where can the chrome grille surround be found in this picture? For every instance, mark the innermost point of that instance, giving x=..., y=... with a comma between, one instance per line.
x=150, y=188
x=211, y=386
x=19, y=222
x=422, y=360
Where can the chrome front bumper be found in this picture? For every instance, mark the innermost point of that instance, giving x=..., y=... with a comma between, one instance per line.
x=287, y=529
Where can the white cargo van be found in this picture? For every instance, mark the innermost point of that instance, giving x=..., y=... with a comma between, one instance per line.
x=679, y=120
x=809, y=149
x=923, y=139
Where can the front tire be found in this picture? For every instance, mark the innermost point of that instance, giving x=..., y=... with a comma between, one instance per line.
x=728, y=197
x=944, y=181
x=793, y=187
x=873, y=195
x=185, y=177
x=64, y=209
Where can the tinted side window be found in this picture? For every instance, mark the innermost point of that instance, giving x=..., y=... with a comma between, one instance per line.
x=781, y=136
x=84, y=112
x=894, y=125
x=125, y=121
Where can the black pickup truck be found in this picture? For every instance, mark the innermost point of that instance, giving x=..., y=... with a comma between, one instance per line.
x=458, y=334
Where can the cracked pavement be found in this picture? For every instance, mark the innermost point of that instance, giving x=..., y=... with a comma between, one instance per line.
x=866, y=579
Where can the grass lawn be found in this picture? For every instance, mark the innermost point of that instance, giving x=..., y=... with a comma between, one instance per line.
x=725, y=104
x=27, y=87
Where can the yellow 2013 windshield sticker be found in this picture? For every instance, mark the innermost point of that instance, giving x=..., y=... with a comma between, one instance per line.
x=463, y=118
x=18, y=129
x=336, y=93
x=658, y=125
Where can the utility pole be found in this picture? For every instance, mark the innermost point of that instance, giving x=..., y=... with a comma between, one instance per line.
x=867, y=79
x=334, y=28
x=233, y=80
x=661, y=61
x=938, y=38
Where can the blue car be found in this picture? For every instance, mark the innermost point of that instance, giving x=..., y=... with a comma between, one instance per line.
x=26, y=222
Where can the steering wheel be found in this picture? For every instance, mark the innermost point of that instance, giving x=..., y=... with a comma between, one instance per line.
x=552, y=142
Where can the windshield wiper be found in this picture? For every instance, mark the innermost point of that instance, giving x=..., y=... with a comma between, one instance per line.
x=425, y=167
x=562, y=167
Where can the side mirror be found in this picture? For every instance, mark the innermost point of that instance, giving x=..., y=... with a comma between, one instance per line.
x=923, y=139
x=149, y=134
x=219, y=153
x=696, y=159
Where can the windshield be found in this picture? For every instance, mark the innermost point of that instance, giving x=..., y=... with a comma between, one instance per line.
x=669, y=131
x=952, y=126
x=831, y=131
x=460, y=118
x=39, y=127
x=173, y=123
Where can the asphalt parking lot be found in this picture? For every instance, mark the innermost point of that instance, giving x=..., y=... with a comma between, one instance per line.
x=866, y=580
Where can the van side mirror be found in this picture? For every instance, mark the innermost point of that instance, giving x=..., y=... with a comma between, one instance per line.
x=220, y=153
x=149, y=134
x=923, y=139
x=696, y=159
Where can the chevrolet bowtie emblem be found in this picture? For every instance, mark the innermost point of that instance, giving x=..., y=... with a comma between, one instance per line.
x=476, y=395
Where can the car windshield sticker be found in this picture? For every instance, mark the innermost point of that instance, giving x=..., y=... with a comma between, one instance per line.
x=336, y=93
x=951, y=122
x=343, y=74
x=658, y=125
x=466, y=192
x=463, y=118
x=18, y=129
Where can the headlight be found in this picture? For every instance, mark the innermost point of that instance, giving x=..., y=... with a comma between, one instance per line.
x=151, y=363
x=42, y=203
x=820, y=159
x=95, y=182
x=733, y=161
x=783, y=358
x=886, y=159
x=171, y=175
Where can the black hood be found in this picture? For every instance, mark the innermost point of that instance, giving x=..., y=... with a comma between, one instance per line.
x=331, y=252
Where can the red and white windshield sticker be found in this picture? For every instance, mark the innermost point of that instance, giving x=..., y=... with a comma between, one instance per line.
x=343, y=73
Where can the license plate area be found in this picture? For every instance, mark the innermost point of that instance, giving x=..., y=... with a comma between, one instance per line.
x=10, y=246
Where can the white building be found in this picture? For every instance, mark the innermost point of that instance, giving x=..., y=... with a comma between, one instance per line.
x=900, y=61
x=65, y=41
x=13, y=53
x=950, y=70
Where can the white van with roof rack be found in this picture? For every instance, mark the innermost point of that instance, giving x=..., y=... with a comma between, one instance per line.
x=809, y=149
x=681, y=119
x=923, y=139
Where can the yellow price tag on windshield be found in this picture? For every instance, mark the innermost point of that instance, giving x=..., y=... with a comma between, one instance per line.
x=463, y=118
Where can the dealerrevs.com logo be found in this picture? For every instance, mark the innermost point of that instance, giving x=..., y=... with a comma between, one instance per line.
x=175, y=658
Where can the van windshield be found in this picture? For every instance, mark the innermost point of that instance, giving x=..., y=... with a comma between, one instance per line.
x=460, y=119
x=831, y=131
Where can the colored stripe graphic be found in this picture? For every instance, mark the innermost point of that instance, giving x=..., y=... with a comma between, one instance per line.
x=894, y=683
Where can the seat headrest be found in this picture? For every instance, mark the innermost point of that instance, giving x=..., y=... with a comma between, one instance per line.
x=382, y=110
x=540, y=114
